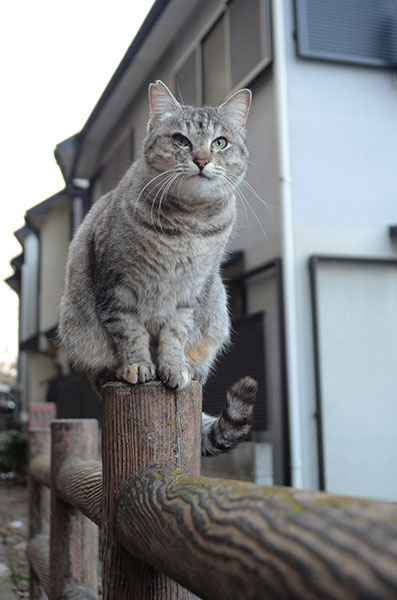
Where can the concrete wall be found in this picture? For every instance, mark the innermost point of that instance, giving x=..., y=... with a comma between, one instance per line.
x=54, y=241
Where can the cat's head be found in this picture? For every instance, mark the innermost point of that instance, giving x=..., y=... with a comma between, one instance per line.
x=204, y=146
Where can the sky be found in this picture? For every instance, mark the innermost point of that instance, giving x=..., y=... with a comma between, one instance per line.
x=56, y=60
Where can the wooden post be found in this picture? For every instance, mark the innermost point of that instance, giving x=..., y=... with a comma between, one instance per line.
x=39, y=501
x=143, y=425
x=74, y=538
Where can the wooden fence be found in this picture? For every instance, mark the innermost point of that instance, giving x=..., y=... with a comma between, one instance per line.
x=167, y=530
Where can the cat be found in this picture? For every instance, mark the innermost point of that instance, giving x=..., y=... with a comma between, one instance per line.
x=143, y=294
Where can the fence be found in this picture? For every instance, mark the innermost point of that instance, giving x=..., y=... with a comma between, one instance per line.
x=167, y=530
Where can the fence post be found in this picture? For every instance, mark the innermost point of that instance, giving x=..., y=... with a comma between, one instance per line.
x=143, y=425
x=39, y=440
x=74, y=538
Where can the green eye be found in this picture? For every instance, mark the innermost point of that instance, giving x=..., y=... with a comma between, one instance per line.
x=181, y=140
x=220, y=143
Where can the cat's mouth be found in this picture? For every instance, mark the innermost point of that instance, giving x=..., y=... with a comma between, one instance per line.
x=203, y=175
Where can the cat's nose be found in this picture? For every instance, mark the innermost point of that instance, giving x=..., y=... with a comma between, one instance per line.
x=201, y=162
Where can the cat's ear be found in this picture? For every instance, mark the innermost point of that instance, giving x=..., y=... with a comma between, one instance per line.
x=161, y=100
x=237, y=106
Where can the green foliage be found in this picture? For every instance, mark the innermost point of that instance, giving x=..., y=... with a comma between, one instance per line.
x=13, y=454
x=17, y=577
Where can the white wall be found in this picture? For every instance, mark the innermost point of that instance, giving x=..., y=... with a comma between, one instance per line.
x=343, y=132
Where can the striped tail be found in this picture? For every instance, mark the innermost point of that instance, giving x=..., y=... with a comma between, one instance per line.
x=223, y=433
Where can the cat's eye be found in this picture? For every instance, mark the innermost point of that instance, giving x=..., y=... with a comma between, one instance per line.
x=220, y=143
x=181, y=140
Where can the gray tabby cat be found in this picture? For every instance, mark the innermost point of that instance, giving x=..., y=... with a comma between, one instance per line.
x=143, y=295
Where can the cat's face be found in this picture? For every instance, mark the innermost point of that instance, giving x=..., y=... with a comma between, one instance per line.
x=203, y=147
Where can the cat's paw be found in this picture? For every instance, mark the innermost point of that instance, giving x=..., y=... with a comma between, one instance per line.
x=137, y=372
x=200, y=374
x=175, y=376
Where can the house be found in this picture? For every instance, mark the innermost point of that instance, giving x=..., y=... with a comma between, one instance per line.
x=312, y=272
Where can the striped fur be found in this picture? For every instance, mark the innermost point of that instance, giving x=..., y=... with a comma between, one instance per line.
x=143, y=293
x=220, y=434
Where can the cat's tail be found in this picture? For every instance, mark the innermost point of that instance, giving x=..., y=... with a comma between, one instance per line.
x=220, y=434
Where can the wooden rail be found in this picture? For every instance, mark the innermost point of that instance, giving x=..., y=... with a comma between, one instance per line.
x=256, y=542
x=168, y=533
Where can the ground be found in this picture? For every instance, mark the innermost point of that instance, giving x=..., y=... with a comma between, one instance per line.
x=14, y=535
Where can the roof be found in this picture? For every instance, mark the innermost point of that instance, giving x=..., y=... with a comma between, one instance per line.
x=148, y=46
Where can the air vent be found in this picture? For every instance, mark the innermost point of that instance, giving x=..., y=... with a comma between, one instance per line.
x=353, y=31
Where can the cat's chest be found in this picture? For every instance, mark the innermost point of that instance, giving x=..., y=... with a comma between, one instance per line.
x=177, y=280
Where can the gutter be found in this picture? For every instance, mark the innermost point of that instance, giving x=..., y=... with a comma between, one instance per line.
x=287, y=241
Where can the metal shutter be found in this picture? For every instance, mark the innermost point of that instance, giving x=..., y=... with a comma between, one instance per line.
x=355, y=31
x=246, y=356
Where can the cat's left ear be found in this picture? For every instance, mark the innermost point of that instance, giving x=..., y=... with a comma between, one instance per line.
x=161, y=100
x=237, y=106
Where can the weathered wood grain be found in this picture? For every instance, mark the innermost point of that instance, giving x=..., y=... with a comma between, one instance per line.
x=38, y=553
x=79, y=482
x=74, y=537
x=143, y=425
x=39, y=497
x=230, y=539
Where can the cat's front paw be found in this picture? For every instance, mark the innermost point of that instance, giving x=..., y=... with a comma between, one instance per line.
x=200, y=374
x=137, y=372
x=175, y=376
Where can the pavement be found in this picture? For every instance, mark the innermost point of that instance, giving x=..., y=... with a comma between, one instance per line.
x=14, y=567
x=6, y=587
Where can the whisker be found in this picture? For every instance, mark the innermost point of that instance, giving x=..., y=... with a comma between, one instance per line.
x=148, y=183
x=254, y=192
x=240, y=195
x=161, y=187
x=246, y=203
x=164, y=196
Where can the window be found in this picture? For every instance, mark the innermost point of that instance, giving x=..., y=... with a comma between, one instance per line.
x=229, y=54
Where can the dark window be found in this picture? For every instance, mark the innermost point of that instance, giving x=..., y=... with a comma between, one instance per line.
x=245, y=356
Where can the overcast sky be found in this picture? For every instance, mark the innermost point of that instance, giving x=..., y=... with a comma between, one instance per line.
x=56, y=59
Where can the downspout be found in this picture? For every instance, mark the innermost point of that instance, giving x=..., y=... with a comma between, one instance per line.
x=287, y=238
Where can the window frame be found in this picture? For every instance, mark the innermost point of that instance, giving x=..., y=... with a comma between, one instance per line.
x=195, y=47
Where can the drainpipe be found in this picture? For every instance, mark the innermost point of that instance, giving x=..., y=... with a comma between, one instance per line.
x=287, y=238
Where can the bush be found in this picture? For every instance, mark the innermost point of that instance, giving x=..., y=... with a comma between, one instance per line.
x=13, y=455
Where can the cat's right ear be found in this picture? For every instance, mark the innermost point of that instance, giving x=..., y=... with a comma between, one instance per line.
x=161, y=101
